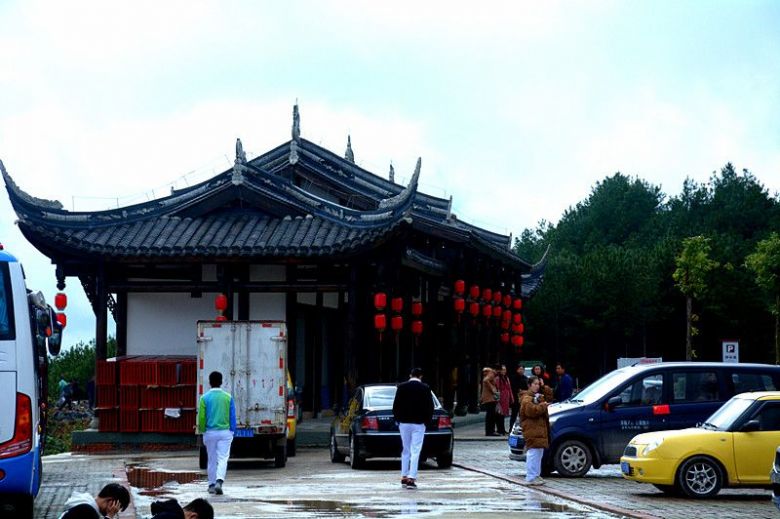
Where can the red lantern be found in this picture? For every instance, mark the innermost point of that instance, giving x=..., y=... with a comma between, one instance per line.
x=380, y=301
x=517, y=318
x=474, y=309
x=397, y=304
x=521, y=328
x=487, y=294
x=220, y=302
x=517, y=304
x=417, y=327
x=396, y=323
x=487, y=310
x=507, y=315
x=459, y=304
x=504, y=325
x=62, y=319
x=474, y=291
x=460, y=286
x=517, y=340
x=496, y=312
x=507, y=300
x=504, y=337
x=60, y=301
x=380, y=322
x=497, y=297
x=221, y=318
x=516, y=328
x=417, y=308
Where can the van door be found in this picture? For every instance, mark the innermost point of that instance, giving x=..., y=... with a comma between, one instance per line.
x=695, y=395
x=641, y=409
x=8, y=416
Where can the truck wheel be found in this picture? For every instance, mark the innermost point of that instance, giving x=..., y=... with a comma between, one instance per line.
x=291, y=448
x=572, y=459
x=335, y=455
x=355, y=461
x=280, y=455
x=203, y=460
x=444, y=460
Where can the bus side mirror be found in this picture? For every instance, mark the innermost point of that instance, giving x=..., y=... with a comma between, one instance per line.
x=55, y=339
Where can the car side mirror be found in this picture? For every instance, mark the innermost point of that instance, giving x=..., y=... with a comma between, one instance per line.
x=612, y=403
x=750, y=426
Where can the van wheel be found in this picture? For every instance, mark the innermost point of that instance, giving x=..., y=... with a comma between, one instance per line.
x=203, y=460
x=335, y=455
x=572, y=459
x=280, y=455
x=700, y=477
x=291, y=448
x=355, y=461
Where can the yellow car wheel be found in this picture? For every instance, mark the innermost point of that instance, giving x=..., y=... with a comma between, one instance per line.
x=700, y=477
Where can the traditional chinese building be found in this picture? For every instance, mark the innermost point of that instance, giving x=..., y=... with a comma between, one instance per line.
x=371, y=276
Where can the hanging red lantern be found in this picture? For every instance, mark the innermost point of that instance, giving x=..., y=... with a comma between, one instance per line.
x=460, y=286
x=380, y=301
x=417, y=308
x=497, y=297
x=496, y=312
x=521, y=328
x=417, y=327
x=380, y=322
x=220, y=302
x=396, y=323
x=504, y=325
x=517, y=304
x=507, y=315
x=397, y=304
x=221, y=318
x=474, y=292
x=507, y=300
x=487, y=294
x=62, y=319
x=474, y=309
x=516, y=328
x=517, y=340
x=487, y=310
x=517, y=318
x=504, y=337
x=60, y=301
x=459, y=304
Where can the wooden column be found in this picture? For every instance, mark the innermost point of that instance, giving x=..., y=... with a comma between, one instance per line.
x=101, y=314
x=121, y=323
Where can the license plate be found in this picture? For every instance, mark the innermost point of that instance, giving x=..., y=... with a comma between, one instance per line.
x=625, y=468
x=513, y=441
x=244, y=433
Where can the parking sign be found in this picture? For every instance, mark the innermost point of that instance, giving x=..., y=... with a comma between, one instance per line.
x=730, y=351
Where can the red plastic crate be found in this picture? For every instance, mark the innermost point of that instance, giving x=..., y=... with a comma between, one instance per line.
x=179, y=396
x=108, y=419
x=151, y=398
x=129, y=420
x=184, y=424
x=189, y=372
x=128, y=396
x=151, y=420
x=105, y=396
x=105, y=372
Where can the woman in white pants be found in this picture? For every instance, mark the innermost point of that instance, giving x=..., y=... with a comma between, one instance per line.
x=536, y=430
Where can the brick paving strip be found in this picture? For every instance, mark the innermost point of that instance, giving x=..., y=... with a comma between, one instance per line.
x=563, y=495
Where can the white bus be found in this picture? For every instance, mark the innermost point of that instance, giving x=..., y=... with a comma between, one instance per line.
x=27, y=326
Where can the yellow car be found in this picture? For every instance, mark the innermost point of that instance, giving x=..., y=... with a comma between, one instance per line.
x=734, y=448
x=292, y=416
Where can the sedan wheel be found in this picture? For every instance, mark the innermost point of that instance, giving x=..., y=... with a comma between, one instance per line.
x=700, y=476
x=335, y=455
x=355, y=461
x=572, y=459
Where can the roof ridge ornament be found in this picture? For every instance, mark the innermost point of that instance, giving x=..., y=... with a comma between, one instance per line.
x=449, y=209
x=349, y=155
x=238, y=166
x=392, y=172
x=406, y=193
x=296, y=126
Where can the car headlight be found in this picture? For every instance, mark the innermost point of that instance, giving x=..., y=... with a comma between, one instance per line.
x=653, y=445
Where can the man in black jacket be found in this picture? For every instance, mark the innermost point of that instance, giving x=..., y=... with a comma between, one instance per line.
x=412, y=408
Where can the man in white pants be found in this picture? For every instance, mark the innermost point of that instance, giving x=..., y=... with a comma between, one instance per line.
x=412, y=408
x=217, y=422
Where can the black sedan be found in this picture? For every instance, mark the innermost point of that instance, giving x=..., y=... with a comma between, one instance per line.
x=367, y=429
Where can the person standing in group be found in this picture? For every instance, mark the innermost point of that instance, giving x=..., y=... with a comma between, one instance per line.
x=412, y=409
x=505, y=398
x=217, y=422
x=112, y=499
x=488, y=399
x=536, y=430
x=565, y=386
x=546, y=390
x=519, y=383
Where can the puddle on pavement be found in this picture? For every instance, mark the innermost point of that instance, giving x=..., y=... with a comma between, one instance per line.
x=145, y=478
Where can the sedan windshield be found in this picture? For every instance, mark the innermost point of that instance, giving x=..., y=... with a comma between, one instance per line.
x=381, y=397
x=724, y=418
x=603, y=386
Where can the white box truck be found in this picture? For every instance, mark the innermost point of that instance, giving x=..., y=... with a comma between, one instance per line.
x=252, y=357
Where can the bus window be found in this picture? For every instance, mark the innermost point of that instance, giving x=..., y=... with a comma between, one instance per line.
x=6, y=305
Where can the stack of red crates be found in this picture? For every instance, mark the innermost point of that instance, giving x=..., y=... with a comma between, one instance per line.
x=147, y=385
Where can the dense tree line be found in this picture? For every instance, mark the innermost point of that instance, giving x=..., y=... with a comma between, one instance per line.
x=623, y=266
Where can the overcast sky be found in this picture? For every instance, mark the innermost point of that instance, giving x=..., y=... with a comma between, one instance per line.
x=516, y=108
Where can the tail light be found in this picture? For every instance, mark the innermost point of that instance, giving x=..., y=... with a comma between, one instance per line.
x=369, y=423
x=290, y=408
x=444, y=422
x=21, y=443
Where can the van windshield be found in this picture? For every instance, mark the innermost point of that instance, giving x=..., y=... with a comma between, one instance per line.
x=6, y=305
x=604, y=385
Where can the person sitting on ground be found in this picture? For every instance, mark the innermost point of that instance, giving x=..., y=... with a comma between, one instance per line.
x=111, y=500
x=170, y=509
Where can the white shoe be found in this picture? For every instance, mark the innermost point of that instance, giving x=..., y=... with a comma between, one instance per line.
x=537, y=481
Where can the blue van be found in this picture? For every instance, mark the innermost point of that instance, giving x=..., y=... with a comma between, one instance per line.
x=27, y=326
x=594, y=426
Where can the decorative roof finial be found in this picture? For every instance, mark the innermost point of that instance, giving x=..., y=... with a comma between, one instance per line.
x=238, y=166
x=392, y=172
x=348, y=154
x=296, y=127
x=449, y=208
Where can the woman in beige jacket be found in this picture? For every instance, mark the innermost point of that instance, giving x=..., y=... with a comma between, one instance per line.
x=488, y=400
